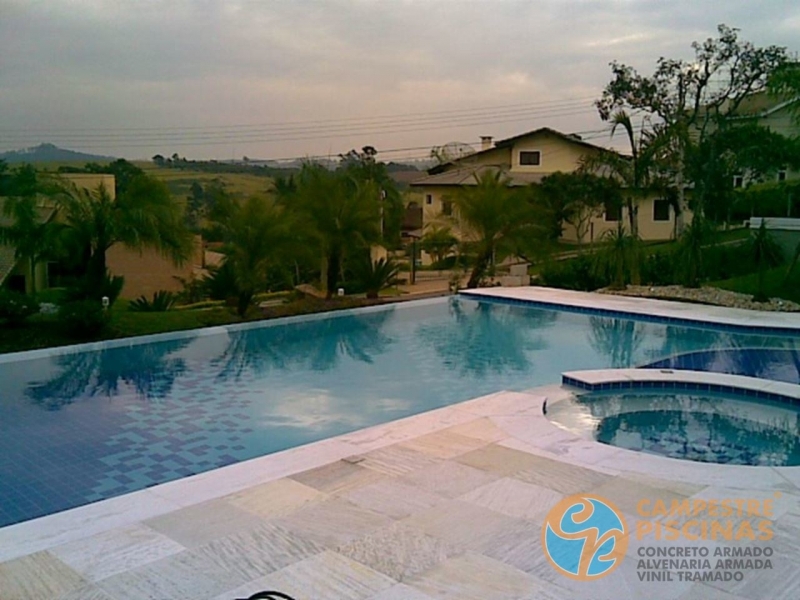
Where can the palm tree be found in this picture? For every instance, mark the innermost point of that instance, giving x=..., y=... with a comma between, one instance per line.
x=258, y=234
x=793, y=264
x=342, y=216
x=376, y=276
x=618, y=260
x=639, y=174
x=33, y=237
x=497, y=220
x=438, y=241
x=144, y=215
x=690, y=250
x=766, y=253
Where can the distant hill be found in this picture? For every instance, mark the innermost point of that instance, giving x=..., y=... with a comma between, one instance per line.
x=50, y=153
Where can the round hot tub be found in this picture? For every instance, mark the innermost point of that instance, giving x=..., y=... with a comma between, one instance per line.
x=703, y=427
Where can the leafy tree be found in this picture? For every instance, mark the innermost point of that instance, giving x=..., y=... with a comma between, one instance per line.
x=258, y=235
x=341, y=216
x=690, y=99
x=575, y=198
x=124, y=172
x=496, y=220
x=144, y=215
x=158, y=160
x=438, y=241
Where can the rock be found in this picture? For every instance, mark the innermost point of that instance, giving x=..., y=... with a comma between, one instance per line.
x=706, y=295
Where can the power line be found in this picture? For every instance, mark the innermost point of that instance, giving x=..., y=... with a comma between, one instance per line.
x=306, y=133
x=91, y=144
x=291, y=124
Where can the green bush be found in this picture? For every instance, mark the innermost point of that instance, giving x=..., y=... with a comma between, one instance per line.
x=85, y=289
x=727, y=261
x=573, y=274
x=659, y=269
x=376, y=276
x=220, y=283
x=15, y=307
x=449, y=263
x=162, y=302
x=83, y=319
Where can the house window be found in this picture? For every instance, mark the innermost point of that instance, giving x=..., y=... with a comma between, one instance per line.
x=530, y=157
x=738, y=181
x=428, y=199
x=782, y=175
x=613, y=211
x=661, y=210
x=447, y=208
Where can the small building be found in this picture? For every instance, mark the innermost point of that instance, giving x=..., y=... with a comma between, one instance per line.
x=145, y=271
x=527, y=159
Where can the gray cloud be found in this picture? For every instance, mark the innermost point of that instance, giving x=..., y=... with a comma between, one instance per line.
x=202, y=63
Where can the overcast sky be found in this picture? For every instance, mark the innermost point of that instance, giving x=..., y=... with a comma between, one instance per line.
x=273, y=79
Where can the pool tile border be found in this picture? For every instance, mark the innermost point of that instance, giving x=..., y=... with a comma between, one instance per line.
x=639, y=309
x=127, y=342
x=604, y=380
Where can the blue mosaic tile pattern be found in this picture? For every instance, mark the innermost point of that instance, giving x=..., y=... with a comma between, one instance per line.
x=689, y=424
x=777, y=364
x=84, y=426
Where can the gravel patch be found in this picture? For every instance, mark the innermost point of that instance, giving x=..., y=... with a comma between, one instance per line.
x=705, y=295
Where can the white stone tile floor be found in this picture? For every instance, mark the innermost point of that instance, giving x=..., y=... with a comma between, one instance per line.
x=444, y=505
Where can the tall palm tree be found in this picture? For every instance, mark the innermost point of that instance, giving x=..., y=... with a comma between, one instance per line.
x=144, y=215
x=644, y=170
x=341, y=216
x=766, y=253
x=496, y=219
x=32, y=234
x=258, y=235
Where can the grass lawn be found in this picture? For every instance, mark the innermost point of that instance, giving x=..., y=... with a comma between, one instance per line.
x=180, y=181
x=775, y=284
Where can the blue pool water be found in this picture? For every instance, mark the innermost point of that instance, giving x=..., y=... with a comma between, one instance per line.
x=86, y=426
x=700, y=427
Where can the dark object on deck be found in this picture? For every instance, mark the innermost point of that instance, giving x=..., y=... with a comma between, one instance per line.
x=544, y=407
x=268, y=596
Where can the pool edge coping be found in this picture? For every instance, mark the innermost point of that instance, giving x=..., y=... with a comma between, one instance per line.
x=642, y=309
x=135, y=507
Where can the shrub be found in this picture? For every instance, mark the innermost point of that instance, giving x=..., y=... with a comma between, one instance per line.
x=220, y=283
x=15, y=307
x=659, y=269
x=376, y=276
x=162, y=302
x=727, y=261
x=194, y=289
x=573, y=274
x=85, y=289
x=83, y=319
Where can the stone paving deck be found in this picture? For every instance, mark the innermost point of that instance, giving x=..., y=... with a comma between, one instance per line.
x=448, y=504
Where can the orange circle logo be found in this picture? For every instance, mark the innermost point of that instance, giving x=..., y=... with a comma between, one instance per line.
x=584, y=537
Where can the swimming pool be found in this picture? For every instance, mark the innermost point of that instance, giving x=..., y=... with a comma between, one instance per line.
x=702, y=427
x=82, y=426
